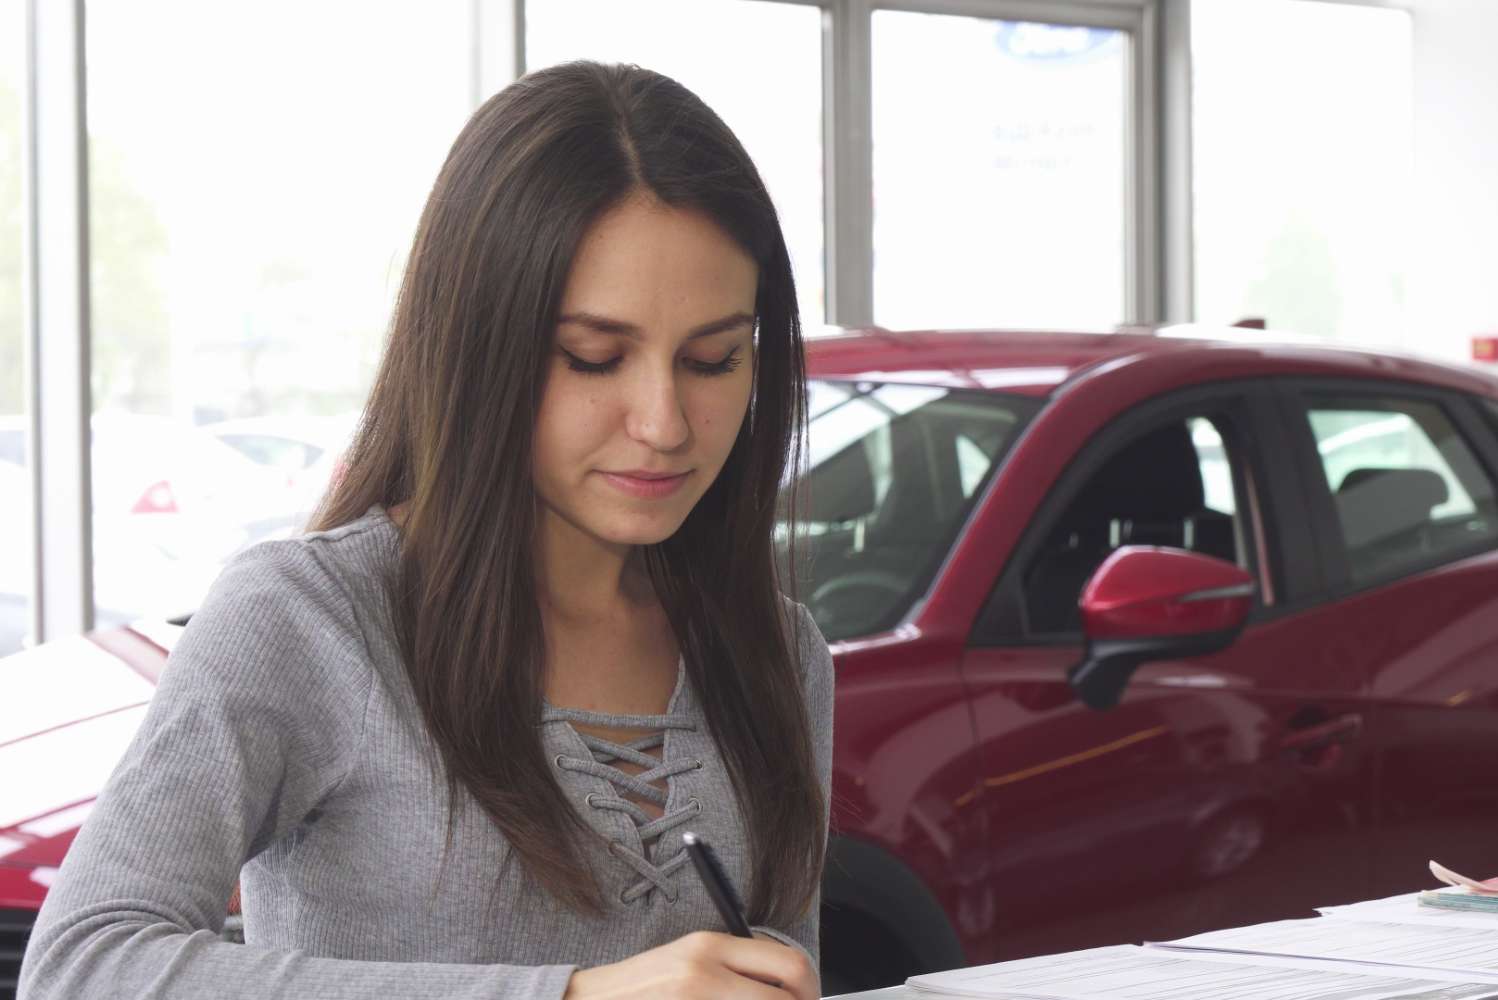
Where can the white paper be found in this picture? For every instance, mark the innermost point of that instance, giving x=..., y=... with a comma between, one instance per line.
x=1406, y=909
x=1127, y=972
x=1467, y=950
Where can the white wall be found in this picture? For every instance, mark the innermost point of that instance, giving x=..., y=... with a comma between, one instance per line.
x=1454, y=268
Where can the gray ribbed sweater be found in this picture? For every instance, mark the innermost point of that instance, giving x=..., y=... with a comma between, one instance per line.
x=284, y=748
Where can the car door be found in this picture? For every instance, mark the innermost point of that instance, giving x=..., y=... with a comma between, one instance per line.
x=1403, y=493
x=1222, y=790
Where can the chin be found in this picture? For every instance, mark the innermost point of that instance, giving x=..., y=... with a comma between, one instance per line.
x=639, y=529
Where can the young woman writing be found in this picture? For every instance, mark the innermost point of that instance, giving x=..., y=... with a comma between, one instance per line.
x=448, y=740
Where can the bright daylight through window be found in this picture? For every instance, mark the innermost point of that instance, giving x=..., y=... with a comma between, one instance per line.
x=777, y=115
x=15, y=484
x=1000, y=173
x=1303, y=179
x=243, y=278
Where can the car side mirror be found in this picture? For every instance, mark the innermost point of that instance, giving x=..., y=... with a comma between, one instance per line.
x=1145, y=603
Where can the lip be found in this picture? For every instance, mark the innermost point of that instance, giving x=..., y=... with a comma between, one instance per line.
x=646, y=474
x=649, y=486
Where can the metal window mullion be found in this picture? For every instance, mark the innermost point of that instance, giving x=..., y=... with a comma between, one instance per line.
x=1143, y=272
x=55, y=258
x=848, y=162
x=1177, y=288
x=498, y=46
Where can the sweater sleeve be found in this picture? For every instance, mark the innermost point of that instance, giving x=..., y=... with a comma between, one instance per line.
x=258, y=716
x=816, y=666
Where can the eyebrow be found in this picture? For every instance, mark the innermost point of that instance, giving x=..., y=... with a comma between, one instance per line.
x=603, y=324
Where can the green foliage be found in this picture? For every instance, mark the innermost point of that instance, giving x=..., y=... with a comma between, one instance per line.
x=131, y=348
x=11, y=385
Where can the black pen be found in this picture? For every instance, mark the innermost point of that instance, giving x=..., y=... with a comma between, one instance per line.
x=717, y=884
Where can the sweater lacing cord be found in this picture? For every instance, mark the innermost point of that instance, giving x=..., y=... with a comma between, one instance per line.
x=605, y=752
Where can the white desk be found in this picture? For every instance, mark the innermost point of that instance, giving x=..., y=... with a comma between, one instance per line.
x=888, y=993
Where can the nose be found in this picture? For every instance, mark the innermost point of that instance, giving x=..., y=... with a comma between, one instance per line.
x=654, y=413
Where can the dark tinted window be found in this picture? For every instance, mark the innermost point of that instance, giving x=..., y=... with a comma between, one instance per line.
x=1407, y=489
x=1172, y=486
x=892, y=471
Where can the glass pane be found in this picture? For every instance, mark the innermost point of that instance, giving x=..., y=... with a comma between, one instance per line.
x=253, y=204
x=1406, y=486
x=1302, y=173
x=892, y=471
x=766, y=84
x=1217, y=475
x=1000, y=173
x=15, y=483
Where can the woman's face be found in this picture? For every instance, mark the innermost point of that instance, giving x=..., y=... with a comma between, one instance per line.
x=660, y=304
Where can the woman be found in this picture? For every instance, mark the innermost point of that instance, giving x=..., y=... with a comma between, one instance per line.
x=453, y=734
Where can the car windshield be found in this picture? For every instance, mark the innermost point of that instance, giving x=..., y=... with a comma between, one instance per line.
x=891, y=473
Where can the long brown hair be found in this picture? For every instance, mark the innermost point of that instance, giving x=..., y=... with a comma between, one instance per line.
x=448, y=431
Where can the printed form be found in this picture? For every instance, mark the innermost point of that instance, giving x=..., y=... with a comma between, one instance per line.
x=1416, y=947
x=1406, y=909
x=1129, y=972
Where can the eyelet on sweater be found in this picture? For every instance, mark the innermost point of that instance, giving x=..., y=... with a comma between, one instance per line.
x=695, y=803
x=589, y=799
x=558, y=759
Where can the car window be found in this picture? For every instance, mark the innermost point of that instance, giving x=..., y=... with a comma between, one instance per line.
x=13, y=445
x=1406, y=488
x=891, y=472
x=269, y=449
x=1170, y=486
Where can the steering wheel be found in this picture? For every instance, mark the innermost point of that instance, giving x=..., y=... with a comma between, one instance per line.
x=875, y=584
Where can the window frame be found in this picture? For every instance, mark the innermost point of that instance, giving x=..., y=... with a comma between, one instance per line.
x=1273, y=561
x=1487, y=408
x=1296, y=403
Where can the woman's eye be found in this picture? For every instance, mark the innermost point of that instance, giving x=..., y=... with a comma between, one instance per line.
x=589, y=367
x=723, y=367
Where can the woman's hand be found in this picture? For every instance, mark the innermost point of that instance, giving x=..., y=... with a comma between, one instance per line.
x=702, y=966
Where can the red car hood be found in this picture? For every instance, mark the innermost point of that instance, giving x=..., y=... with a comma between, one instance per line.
x=68, y=710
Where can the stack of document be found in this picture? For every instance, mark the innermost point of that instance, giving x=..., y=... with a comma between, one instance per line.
x=1388, y=949
x=1466, y=894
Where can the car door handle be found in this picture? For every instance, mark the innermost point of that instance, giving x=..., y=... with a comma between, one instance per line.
x=1319, y=735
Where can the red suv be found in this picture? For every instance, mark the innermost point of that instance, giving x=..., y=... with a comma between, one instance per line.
x=1136, y=636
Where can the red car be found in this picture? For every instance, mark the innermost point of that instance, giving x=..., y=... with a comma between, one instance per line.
x=1136, y=636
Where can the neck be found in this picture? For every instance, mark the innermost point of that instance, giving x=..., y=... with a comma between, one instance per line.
x=582, y=581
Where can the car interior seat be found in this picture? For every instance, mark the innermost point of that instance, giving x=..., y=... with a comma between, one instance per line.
x=1386, y=514
x=1149, y=493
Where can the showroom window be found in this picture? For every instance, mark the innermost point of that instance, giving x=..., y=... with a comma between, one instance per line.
x=253, y=196
x=15, y=481
x=1303, y=166
x=1407, y=489
x=1000, y=173
x=765, y=83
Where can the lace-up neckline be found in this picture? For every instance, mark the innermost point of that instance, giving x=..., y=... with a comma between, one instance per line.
x=604, y=753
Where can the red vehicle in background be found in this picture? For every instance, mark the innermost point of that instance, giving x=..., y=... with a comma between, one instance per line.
x=1136, y=636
